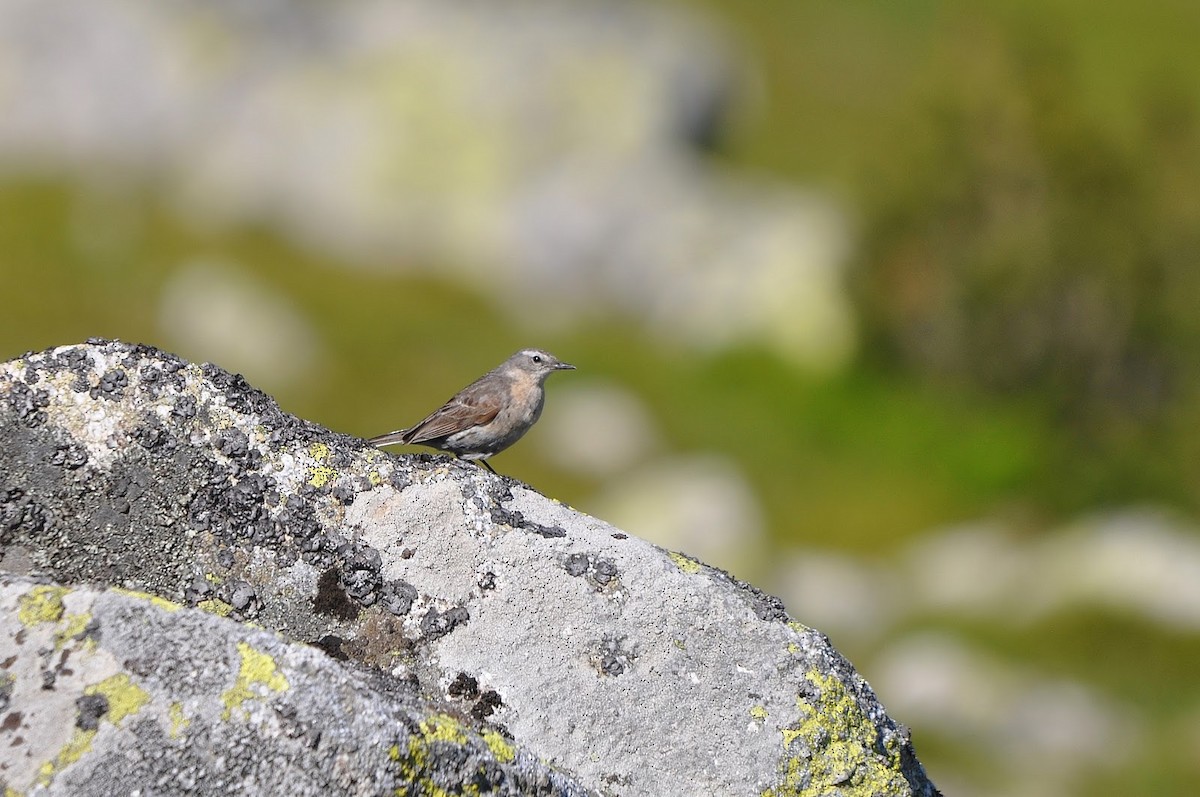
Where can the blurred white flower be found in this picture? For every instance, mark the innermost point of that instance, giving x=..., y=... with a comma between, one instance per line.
x=213, y=311
x=597, y=429
x=700, y=505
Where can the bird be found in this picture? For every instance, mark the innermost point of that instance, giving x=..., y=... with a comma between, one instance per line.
x=488, y=415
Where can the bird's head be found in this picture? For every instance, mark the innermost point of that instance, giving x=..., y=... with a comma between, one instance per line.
x=537, y=362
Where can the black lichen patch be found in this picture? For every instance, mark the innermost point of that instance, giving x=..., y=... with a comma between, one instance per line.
x=361, y=567
x=399, y=479
x=231, y=501
x=605, y=572
x=486, y=705
x=90, y=631
x=343, y=493
x=158, y=377
x=501, y=491
x=282, y=429
x=304, y=528
x=111, y=386
x=90, y=709
x=463, y=686
x=29, y=404
x=611, y=657
x=19, y=511
x=76, y=361
x=152, y=436
x=247, y=508
x=517, y=520
x=545, y=531
x=503, y=516
x=80, y=362
x=332, y=645
x=204, y=510
x=600, y=572
x=577, y=564
x=242, y=596
x=331, y=600
x=437, y=624
x=765, y=606
x=233, y=443
x=52, y=669
x=397, y=597
x=239, y=395
x=69, y=456
x=484, y=702
x=126, y=487
x=184, y=407
x=201, y=589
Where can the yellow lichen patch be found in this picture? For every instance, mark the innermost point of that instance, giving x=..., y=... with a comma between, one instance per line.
x=443, y=728
x=42, y=604
x=799, y=628
x=72, y=626
x=256, y=668
x=215, y=606
x=161, y=603
x=320, y=475
x=839, y=754
x=179, y=720
x=415, y=763
x=500, y=747
x=684, y=563
x=374, y=478
x=79, y=743
x=759, y=713
x=124, y=697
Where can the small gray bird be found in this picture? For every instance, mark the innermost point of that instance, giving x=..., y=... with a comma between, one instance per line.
x=488, y=415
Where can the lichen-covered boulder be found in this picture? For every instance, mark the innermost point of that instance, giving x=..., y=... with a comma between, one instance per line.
x=540, y=630
x=114, y=692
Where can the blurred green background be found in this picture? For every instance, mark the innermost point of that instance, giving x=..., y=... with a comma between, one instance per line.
x=985, y=491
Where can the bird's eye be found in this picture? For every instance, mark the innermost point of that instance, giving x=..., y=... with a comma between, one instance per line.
x=537, y=358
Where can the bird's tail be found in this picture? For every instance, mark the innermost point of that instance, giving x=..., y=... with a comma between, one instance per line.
x=389, y=439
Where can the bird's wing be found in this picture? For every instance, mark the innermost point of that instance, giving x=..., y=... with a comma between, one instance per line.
x=468, y=408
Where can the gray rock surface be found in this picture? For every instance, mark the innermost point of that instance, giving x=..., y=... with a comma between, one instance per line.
x=112, y=692
x=635, y=670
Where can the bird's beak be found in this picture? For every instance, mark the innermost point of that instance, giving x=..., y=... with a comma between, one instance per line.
x=564, y=367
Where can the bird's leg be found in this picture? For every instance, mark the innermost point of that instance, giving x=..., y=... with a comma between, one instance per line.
x=482, y=462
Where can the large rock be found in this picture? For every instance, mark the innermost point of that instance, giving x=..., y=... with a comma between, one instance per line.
x=114, y=691
x=470, y=626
